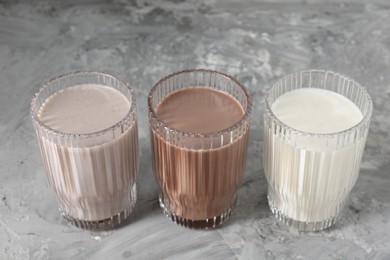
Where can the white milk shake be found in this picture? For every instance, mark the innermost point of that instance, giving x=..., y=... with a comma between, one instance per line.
x=94, y=180
x=310, y=175
x=317, y=111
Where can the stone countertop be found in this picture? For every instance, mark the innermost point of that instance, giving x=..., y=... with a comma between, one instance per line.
x=142, y=41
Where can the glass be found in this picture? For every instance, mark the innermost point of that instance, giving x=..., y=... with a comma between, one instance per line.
x=310, y=175
x=198, y=173
x=92, y=175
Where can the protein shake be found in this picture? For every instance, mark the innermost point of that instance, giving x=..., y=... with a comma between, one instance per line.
x=89, y=146
x=313, y=144
x=200, y=164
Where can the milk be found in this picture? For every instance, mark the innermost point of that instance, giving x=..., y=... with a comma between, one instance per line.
x=317, y=111
x=311, y=165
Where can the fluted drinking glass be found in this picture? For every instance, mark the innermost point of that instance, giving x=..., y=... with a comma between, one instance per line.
x=92, y=174
x=311, y=175
x=198, y=173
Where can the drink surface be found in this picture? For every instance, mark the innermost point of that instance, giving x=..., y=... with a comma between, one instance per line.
x=316, y=111
x=199, y=110
x=84, y=109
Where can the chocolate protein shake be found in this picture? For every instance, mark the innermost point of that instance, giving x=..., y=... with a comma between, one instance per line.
x=199, y=169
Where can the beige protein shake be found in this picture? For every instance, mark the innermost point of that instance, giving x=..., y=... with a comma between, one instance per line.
x=92, y=169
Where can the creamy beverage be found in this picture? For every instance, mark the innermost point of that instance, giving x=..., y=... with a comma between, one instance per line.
x=199, y=110
x=311, y=173
x=317, y=111
x=84, y=109
x=199, y=178
x=94, y=175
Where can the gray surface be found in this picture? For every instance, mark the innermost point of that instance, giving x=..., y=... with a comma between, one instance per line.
x=141, y=42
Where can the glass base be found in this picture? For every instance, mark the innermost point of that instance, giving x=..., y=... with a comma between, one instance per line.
x=301, y=225
x=98, y=225
x=104, y=224
x=196, y=224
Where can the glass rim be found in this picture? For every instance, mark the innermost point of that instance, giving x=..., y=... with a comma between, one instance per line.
x=244, y=118
x=130, y=113
x=363, y=121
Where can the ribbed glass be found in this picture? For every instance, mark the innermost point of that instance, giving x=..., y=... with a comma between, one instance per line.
x=93, y=175
x=198, y=174
x=310, y=175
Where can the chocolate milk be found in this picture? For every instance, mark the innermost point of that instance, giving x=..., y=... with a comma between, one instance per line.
x=93, y=180
x=199, y=184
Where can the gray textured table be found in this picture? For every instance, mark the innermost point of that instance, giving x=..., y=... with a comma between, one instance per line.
x=141, y=41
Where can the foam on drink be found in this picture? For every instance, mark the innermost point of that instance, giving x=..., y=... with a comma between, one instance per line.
x=317, y=111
